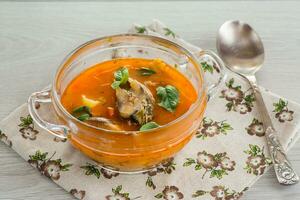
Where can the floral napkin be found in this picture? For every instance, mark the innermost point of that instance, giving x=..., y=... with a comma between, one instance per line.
x=225, y=157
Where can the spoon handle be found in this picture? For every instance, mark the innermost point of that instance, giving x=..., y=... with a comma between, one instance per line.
x=283, y=168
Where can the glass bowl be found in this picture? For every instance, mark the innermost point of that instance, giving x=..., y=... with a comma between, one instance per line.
x=127, y=151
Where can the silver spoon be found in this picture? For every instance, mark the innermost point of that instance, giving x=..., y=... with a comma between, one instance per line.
x=242, y=50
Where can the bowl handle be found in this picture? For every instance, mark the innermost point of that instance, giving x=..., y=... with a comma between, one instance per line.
x=219, y=65
x=44, y=96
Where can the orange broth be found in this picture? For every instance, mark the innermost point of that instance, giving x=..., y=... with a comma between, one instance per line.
x=95, y=83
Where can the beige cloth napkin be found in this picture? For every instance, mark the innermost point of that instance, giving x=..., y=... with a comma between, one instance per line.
x=226, y=156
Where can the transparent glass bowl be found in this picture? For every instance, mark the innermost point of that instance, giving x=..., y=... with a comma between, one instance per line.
x=127, y=151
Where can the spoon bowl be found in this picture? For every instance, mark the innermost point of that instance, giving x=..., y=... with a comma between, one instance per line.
x=240, y=47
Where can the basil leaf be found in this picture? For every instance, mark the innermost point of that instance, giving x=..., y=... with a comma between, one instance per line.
x=83, y=117
x=168, y=97
x=82, y=113
x=121, y=77
x=148, y=126
x=144, y=71
x=82, y=109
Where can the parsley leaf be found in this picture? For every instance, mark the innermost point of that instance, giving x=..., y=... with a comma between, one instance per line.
x=82, y=113
x=169, y=32
x=206, y=67
x=144, y=71
x=280, y=105
x=121, y=77
x=91, y=169
x=141, y=29
x=168, y=97
x=148, y=126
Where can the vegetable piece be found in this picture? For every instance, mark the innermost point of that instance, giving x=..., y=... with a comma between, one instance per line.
x=144, y=71
x=168, y=97
x=121, y=77
x=89, y=102
x=82, y=113
x=110, y=111
x=148, y=126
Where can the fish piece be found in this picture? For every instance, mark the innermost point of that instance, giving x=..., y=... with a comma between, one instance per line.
x=104, y=122
x=136, y=102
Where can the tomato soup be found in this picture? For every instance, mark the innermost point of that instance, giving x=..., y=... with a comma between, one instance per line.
x=129, y=94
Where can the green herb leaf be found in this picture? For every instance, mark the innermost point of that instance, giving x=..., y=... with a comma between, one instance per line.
x=82, y=113
x=280, y=105
x=206, y=67
x=83, y=117
x=121, y=77
x=225, y=127
x=188, y=162
x=198, y=167
x=229, y=106
x=199, y=193
x=141, y=29
x=144, y=71
x=148, y=126
x=254, y=150
x=169, y=32
x=118, y=189
x=66, y=167
x=38, y=156
x=218, y=173
x=249, y=99
x=150, y=183
x=91, y=170
x=159, y=196
x=230, y=83
x=168, y=97
x=26, y=122
x=81, y=110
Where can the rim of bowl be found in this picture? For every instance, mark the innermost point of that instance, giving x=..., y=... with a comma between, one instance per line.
x=201, y=93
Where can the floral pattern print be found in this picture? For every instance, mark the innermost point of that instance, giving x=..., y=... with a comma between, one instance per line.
x=119, y=195
x=166, y=167
x=27, y=128
x=170, y=193
x=283, y=114
x=210, y=128
x=257, y=161
x=238, y=100
x=218, y=165
x=78, y=194
x=5, y=139
x=108, y=174
x=37, y=105
x=47, y=166
x=210, y=67
x=58, y=139
x=91, y=169
x=220, y=193
x=256, y=128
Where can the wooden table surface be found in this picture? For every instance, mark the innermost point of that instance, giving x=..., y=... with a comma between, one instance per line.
x=34, y=38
